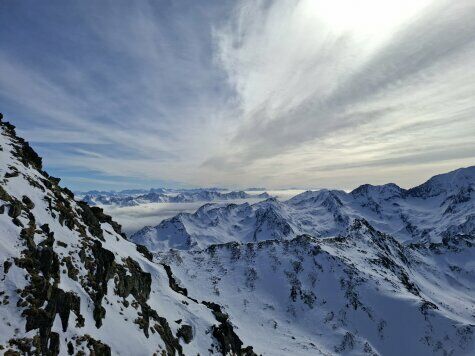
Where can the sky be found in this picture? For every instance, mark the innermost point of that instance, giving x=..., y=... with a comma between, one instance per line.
x=278, y=94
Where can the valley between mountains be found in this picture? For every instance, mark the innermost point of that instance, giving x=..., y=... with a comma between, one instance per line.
x=380, y=270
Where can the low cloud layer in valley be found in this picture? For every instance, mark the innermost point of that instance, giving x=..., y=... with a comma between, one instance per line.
x=133, y=218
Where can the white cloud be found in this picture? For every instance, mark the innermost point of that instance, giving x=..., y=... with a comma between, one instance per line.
x=270, y=93
x=335, y=92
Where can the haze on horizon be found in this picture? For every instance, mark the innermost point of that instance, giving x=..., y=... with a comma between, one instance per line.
x=287, y=93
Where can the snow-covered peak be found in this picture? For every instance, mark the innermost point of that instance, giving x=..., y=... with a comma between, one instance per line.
x=359, y=293
x=442, y=206
x=136, y=197
x=379, y=192
x=316, y=196
x=447, y=183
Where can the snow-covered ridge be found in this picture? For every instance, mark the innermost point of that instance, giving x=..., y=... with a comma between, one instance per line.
x=442, y=206
x=362, y=293
x=70, y=283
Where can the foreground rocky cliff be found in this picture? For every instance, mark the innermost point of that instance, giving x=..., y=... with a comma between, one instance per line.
x=71, y=283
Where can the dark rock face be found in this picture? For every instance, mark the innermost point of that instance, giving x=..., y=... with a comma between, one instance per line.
x=6, y=266
x=104, y=218
x=90, y=219
x=228, y=341
x=102, y=266
x=172, y=282
x=42, y=264
x=28, y=203
x=130, y=279
x=90, y=267
x=145, y=252
x=15, y=210
x=186, y=333
x=23, y=150
x=138, y=283
x=95, y=347
x=42, y=300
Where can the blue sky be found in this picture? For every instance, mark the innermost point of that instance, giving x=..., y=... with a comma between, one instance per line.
x=307, y=93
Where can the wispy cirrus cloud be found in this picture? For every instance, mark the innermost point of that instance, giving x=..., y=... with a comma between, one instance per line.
x=351, y=93
x=136, y=79
x=275, y=93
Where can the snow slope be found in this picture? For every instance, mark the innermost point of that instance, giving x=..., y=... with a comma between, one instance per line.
x=443, y=206
x=70, y=283
x=363, y=293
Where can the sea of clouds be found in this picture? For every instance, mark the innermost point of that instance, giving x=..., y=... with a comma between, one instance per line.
x=134, y=218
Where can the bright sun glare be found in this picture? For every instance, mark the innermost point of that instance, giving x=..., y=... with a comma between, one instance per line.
x=364, y=15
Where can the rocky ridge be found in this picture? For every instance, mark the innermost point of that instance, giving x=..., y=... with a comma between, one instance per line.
x=71, y=283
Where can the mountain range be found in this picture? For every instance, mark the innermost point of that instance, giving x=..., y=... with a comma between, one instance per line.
x=380, y=270
x=161, y=195
x=441, y=207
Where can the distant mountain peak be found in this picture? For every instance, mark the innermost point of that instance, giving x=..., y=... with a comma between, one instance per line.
x=385, y=191
x=421, y=213
x=447, y=183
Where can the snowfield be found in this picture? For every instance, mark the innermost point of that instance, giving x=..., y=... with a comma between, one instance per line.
x=361, y=294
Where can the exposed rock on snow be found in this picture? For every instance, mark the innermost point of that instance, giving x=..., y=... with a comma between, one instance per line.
x=72, y=284
x=360, y=293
